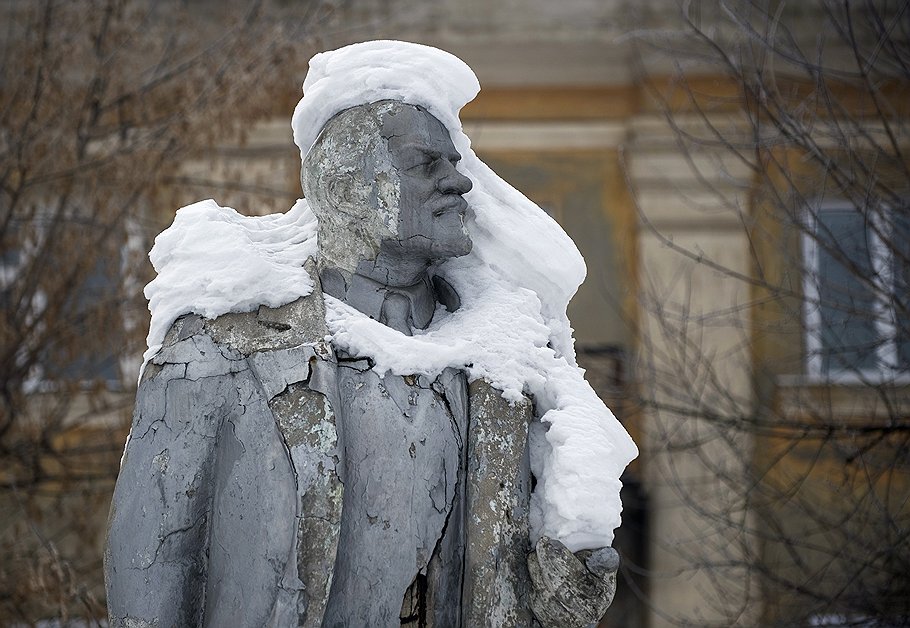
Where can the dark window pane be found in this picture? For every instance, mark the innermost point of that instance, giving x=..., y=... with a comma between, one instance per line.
x=846, y=302
x=87, y=347
x=901, y=247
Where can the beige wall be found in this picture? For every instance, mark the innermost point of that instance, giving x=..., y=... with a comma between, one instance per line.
x=695, y=355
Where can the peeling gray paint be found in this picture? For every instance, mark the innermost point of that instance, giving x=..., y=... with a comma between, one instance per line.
x=571, y=589
x=350, y=183
x=270, y=482
x=402, y=456
x=231, y=466
x=308, y=424
x=498, y=491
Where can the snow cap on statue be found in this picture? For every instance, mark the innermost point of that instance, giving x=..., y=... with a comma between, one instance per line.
x=508, y=230
x=383, y=70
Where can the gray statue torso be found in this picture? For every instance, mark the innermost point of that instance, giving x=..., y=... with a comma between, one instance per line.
x=256, y=490
x=273, y=482
x=403, y=444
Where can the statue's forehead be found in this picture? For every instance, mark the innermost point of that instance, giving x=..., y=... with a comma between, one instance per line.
x=416, y=128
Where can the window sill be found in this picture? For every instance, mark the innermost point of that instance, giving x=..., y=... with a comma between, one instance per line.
x=847, y=400
x=852, y=379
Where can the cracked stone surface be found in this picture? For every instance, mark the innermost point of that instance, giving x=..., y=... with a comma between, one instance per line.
x=571, y=590
x=402, y=452
x=228, y=504
x=243, y=500
x=498, y=493
x=350, y=174
x=272, y=480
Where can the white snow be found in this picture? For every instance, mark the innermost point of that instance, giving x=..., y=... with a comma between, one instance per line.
x=514, y=286
x=213, y=260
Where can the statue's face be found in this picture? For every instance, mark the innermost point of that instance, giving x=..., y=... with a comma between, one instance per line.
x=431, y=208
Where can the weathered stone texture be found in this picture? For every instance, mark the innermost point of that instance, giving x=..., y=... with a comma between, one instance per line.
x=498, y=490
x=230, y=466
x=270, y=482
x=402, y=450
x=571, y=590
x=350, y=174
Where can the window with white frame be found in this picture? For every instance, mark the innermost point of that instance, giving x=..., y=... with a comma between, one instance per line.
x=857, y=292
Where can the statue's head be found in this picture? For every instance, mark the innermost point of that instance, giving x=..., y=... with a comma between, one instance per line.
x=382, y=177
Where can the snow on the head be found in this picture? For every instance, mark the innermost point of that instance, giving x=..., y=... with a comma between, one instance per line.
x=381, y=70
x=510, y=233
x=514, y=287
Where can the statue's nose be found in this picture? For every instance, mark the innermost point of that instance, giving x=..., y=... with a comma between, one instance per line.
x=453, y=182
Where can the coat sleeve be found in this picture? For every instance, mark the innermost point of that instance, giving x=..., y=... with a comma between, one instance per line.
x=156, y=552
x=228, y=477
x=203, y=525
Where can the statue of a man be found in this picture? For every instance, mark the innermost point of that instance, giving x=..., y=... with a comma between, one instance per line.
x=276, y=476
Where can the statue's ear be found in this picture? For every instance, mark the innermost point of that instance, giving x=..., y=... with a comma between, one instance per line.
x=335, y=188
x=446, y=294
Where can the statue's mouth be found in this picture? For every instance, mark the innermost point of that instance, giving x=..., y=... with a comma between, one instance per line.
x=451, y=203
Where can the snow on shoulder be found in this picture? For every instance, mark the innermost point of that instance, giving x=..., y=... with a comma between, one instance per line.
x=514, y=287
x=213, y=260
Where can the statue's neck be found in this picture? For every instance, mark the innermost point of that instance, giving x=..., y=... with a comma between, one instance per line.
x=394, y=270
x=400, y=296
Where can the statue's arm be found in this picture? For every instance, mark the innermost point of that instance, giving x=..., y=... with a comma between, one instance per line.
x=568, y=589
x=158, y=530
x=571, y=590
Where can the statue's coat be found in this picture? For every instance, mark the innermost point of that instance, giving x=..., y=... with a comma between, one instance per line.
x=231, y=499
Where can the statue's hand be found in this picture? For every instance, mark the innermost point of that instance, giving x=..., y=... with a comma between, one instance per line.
x=571, y=590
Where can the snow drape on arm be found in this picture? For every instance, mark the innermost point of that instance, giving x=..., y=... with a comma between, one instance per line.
x=514, y=287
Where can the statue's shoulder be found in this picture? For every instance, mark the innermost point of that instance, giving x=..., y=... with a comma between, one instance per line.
x=300, y=322
x=214, y=346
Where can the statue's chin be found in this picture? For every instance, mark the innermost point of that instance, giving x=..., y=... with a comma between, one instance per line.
x=445, y=250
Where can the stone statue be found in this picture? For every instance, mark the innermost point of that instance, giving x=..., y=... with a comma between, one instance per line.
x=273, y=478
